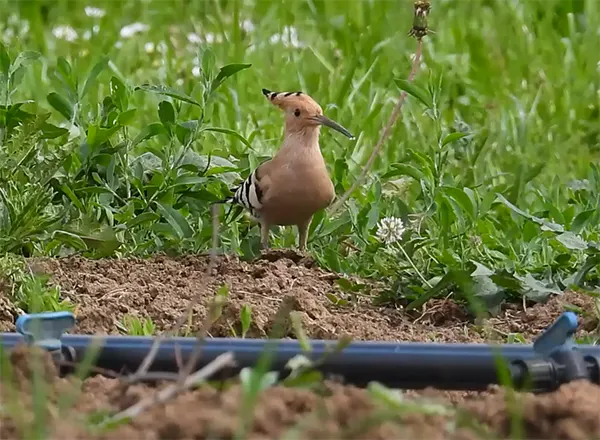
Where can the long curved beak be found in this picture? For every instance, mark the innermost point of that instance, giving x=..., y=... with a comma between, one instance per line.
x=332, y=124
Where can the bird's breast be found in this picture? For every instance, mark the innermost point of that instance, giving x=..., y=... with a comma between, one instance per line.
x=299, y=191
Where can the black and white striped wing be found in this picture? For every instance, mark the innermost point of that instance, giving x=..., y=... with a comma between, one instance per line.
x=249, y=194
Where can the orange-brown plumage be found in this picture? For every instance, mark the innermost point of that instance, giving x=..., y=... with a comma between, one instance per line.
x=292, y=186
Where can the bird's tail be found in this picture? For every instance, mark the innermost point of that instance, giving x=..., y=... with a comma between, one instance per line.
x=224, y=201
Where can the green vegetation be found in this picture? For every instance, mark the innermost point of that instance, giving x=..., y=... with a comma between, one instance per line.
x=30, y=291
x=115, y=138
x=136, y=326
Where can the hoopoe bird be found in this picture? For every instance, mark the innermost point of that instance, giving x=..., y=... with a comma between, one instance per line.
x=292, y=186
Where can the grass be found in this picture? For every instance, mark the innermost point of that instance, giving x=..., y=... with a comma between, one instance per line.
x=111, y=146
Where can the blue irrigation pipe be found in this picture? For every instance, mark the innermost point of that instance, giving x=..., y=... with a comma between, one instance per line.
x=552, y=360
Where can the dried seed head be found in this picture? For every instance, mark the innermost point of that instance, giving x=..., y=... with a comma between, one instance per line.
x=419, y=28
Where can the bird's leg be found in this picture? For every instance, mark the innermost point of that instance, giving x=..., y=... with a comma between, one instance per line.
x=303, y=234
x=264, y=235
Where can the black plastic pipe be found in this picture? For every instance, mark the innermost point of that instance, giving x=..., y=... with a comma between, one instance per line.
x=397, y=365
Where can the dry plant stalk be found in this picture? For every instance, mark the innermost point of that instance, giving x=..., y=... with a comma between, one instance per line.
x=166, y=394
x=145, y=365
x=418, y=30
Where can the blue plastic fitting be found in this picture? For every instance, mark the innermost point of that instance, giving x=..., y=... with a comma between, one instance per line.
x=45, y=329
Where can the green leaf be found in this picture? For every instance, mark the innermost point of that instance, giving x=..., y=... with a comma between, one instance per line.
x=305, y=379
x=96, y=70
x=484, y=287
x=24, y=59
x=572, y=241
x=4, y=60
x=189, y=180
x=63, y=67
x=60, y=104
x=166, y=113
x=107, y=246
x=176, y=220
x=97, y=135
x=207, y=61
x=70, y=239
x=546, y=225
x=119, y=93
x=64, y=74
x=581, y=220
x=507, y=281
x=50, y=131
x=453, y=137
x=426, y=163
x=230, y=132
x=404, y=169
x=71, y=195
x=372, y=216
x=591, y=262
x=185, y=130
x=226, y=72
x=126, y=117
x=148, y=132
x=461, y=198
x=414, y=90
x=448, y=280
x=480, y=270
x=245, y=318
x=145, y=217
x=167, y=91
x=536, y=290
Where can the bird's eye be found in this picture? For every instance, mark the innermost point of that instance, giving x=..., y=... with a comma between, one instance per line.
x=297, y=112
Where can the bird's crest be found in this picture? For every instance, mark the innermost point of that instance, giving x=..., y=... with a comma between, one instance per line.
x=293, y=100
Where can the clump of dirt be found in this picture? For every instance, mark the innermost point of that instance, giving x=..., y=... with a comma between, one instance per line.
x=8, y=313
x=572, y=412
x=332, y=411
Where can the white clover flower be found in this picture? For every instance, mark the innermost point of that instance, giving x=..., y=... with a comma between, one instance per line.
x=87, y=35
x=194, y=38
x=289, y=37
x=179, y=81
x=196, y=71
x=247, y=25
x=13, y=19
x=91, y=11
x=65, y=33
x=8, y=35
x=24, y=28
x=131, y=29
x=149, y=47
x=390, y=230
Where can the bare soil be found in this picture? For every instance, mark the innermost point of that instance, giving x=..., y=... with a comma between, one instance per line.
x=162, y=287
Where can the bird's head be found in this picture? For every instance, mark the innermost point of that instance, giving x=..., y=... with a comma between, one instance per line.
x=302, y=112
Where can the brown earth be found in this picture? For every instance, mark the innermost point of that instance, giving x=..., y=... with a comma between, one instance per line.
x=161, y=288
